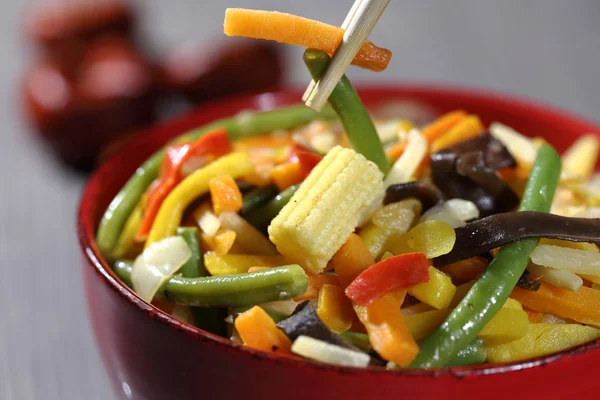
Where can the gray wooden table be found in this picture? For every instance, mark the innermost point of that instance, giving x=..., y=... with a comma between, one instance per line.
x=545, y=49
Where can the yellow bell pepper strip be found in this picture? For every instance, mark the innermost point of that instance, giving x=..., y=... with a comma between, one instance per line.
x=438, y=291
x=239, y=126
x=230, y=264
x=434, y=238
x=582, y=306
x=580, y=159
x=440, y=126
x=402, y=271
x=467, y=128
x=196, y=184
x=225, y=194
x=334, y=308
x=542, y=339
x=382, y=318
x=315, y=284
x=508, y=324
x=421, y=325
x=213, y=144
x=260, y=332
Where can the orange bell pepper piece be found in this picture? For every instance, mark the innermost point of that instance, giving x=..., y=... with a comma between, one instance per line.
x=315, y=283
x=383, y=318
x=225, y=194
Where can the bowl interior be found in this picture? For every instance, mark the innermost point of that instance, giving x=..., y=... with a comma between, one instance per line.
x=559, y=128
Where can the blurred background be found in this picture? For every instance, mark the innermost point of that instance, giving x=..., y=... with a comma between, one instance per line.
x=56, y=90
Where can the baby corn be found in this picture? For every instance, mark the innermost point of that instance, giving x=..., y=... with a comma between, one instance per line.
x=326, y=208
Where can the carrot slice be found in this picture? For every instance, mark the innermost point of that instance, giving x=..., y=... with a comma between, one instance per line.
x=292, y=29
x=582, y=306
x=465, y=129
x=465, y=270
x=441, y=125
x=259, y=331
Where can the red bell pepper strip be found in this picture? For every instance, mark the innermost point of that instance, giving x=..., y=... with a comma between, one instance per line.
x=308, y=159
x=402, y=271
x=214, y=143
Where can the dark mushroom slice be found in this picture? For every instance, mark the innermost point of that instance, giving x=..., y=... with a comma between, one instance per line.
x=478, y=237
x=428, y=194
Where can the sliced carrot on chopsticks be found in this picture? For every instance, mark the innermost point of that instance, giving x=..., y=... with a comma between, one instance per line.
x=441, y=125
x=260, y=332
x=292, y=29
x=382, y=319
x=402, y=271
x=225, y=194
x=212, y=144
x=582, y=306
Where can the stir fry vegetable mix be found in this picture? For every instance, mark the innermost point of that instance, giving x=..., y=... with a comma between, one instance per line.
x=364, y=241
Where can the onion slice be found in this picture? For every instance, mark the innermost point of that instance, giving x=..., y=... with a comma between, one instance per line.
x=563, y=279
x=405, y=167
x=455, y=212
x=157, y=264
x=566, y=259
x=319, y=350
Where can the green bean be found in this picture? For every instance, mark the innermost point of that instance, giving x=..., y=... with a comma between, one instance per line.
x=262, y=217
x=353, y=115
x=491, y=290
x=194, y=267
x=473, y=354
x=210, y=319
x=359, y=340
x=123, y=270
x=257, y=198
x=242, y=125
x=273, y=284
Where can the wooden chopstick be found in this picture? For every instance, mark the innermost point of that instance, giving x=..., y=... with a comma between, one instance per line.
x=361, y=23
x=344, y=26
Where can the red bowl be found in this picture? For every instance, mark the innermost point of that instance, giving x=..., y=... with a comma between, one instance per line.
x=150, y=355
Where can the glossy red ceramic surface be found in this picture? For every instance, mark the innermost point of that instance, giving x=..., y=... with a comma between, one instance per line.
x=149, y=355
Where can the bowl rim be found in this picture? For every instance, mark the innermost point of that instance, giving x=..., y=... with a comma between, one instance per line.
x=86, y=233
